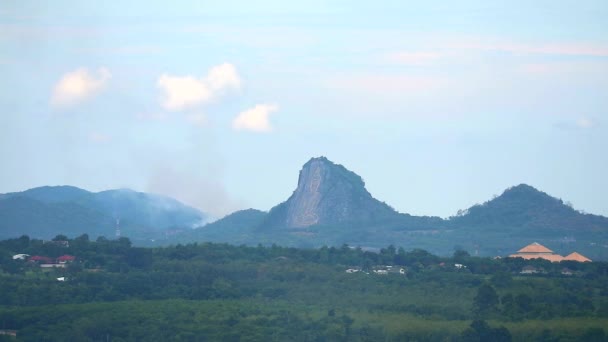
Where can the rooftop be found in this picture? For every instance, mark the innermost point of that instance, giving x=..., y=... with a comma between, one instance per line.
x=577, y=257
x=535, y=248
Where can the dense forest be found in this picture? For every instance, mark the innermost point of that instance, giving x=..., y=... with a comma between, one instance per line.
x=112, y=291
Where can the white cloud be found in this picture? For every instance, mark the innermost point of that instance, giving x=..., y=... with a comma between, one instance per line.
x=255, y=119
x=183, y=92
x=79, y=85
x=223, y=77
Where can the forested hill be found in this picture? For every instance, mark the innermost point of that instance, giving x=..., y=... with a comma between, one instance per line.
x=47, y=211
x=329, y=206
x=523, y=206
x=501, y=226
x=236, y=228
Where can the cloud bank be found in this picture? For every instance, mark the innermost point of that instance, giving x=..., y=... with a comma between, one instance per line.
x=79, y=85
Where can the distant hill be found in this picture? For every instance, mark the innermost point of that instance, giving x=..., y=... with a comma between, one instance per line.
x=330, y=206
x=47, y=211
x=147, y=211
x=525, y=207
x=21, y=215
x=51, y=194
x=236, y=228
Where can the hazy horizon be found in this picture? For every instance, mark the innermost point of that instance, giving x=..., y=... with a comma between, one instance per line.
x=437, y=107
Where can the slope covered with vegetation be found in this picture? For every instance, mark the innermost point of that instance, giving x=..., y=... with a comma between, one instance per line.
x=525, y=207
x=222, y=292
x=47, y=211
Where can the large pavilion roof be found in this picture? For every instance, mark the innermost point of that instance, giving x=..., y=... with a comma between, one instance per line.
x=535, y=248
x=577, y=257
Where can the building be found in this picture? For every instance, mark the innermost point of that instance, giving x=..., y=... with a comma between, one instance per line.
x=41, y=259
x=530, y=270
x=567, y=272
x=65, y=259
x=574, y=256
x=537, y=251
x=46, y=262
x=20, y=256
x=8, y=332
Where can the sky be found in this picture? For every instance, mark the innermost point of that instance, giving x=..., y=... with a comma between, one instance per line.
x=437, y=105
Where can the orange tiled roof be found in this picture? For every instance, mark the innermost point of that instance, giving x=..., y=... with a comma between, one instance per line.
x=577, y=257
x=535, y=248
x=553, y=257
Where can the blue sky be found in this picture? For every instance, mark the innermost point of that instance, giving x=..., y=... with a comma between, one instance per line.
x=437, y=106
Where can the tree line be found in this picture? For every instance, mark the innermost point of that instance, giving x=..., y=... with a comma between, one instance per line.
x=271, y=292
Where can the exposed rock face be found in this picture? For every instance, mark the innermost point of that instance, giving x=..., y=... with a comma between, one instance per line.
x=328, y=194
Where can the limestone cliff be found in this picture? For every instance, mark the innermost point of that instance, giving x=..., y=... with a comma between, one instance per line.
x=328, y=194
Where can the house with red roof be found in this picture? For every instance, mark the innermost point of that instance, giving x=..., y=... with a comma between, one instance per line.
x=65, y=259
x=41, y=259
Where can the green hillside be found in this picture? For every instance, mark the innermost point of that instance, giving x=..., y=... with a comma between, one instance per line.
x=192, y=292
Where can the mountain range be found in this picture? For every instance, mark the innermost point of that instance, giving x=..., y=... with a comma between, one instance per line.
x=329, y=206
x=50, y=210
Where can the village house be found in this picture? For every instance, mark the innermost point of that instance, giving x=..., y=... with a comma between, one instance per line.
x=567, y=272
x=379, y=269
x=65, y=259
x=530, y=270
x=20, y=256
x=384, y=270
x=40, y=259
x=8, y=332
x=46, y=262
x=53, y=265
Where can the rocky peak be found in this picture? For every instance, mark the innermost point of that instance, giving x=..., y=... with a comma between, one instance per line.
x=328, y=193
